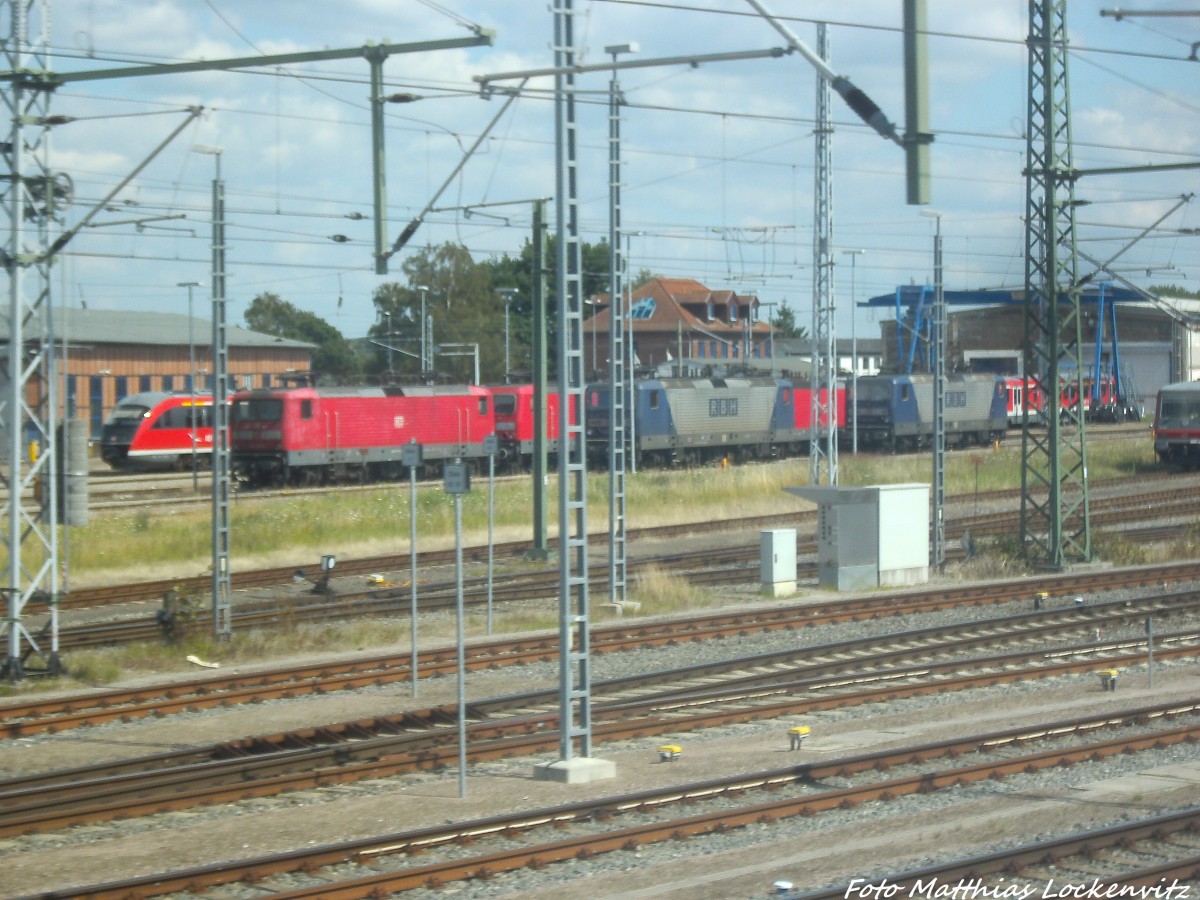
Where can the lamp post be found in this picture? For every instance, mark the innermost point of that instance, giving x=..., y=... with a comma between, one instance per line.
x=222, y=589
x=424, y=289
x=938, y=353
x=192, y=384
x=854, y=255
x=632, y=372
x=387, y=318
x=507, y=293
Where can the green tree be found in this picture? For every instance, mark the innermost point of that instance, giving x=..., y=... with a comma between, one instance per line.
x=785, y=324
x=333, y=360
x=517, y=272
x=1171, y=290
x=462, y=306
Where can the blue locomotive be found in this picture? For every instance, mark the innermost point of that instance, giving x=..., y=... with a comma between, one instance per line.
x=895, y=412
x=693, y=421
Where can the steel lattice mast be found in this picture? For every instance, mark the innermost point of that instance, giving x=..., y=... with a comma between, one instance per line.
x=1055, y=527
x=575, y=702
x=30, y=194
x=823, y=443
x=617, y=509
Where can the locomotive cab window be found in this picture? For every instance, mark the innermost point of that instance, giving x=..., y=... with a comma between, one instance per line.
x=654, y=399
x=904, y=392
x=258, y=410
x=506, y=404
x=483, y=406
x=306, y=409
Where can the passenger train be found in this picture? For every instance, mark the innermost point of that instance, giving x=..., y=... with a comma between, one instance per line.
x=1177, y=425
x=158, y=430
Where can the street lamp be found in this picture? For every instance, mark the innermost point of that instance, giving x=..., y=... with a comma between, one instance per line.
x=222, y=589
x=424, y=289
x=938, y=353
x=854, y=255
x=507, y=294
x=631, y=371
x=192, y=382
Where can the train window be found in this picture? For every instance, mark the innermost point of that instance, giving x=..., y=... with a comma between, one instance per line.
x=306, y=409
x=176, y=417
x=505, y=405
x=787, y=396
x=653, y=399
x=483, y=406
x=128, y=412
x=904, y=392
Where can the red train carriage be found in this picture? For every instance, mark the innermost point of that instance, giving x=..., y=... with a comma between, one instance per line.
x=316, y=435
x=803, y=406
x=157, y=430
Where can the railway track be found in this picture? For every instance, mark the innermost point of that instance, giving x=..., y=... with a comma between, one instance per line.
x=1110, y=511
x=934, y=660
x=1172, y=840
x=481, y=849
x=35, y=716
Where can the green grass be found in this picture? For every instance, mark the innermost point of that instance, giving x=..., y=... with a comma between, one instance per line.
x=152, y=544
x=298, y=530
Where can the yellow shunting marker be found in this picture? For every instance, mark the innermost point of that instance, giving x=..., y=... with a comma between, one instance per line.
x=669, y=752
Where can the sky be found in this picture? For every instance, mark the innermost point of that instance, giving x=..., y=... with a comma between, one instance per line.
x=718, y=174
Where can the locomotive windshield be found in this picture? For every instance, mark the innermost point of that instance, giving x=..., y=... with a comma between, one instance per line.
x=874, y=392
x=128, y=412
x=505, y=404
x=255, y=409
x=1179, y=412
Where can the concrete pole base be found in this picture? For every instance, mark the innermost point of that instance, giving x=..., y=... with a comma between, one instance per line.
x=579, y=770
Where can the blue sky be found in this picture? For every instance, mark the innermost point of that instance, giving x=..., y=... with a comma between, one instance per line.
x=718, y=174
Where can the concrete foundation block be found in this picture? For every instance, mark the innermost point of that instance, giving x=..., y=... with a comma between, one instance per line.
x=579, y=770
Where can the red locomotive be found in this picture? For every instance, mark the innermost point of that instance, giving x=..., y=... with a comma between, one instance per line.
x=158, y=430
x=513, y=405
x=313, y=435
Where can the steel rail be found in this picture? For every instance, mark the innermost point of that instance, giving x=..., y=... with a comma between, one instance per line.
x=375, y=851
x=30, y=717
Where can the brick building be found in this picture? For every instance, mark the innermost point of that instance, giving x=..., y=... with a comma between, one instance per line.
x=109, y=354
x=672, y=319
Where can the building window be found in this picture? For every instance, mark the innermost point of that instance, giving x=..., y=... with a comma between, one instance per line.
x=266, y=380
x=643, y=309
x=733, y=315
x=710, y=311
x=168, y=382
x=144, y=383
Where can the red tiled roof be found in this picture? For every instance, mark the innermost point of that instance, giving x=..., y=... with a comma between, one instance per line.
x=672, y=296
